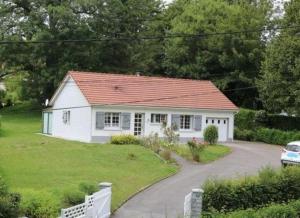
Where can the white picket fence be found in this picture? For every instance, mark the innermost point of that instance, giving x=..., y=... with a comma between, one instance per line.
x=97, y=205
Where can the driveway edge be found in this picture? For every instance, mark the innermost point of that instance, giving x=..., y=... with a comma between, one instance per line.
x=144, y=188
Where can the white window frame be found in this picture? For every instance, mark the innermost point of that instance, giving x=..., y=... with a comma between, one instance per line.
x=111, y=124
x=66, y=117
x=155, y=115
x=184, y=117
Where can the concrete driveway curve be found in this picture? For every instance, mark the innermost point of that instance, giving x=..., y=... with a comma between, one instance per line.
x=165, y=199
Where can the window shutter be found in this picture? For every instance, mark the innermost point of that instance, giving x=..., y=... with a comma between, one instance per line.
x=100, y=116
x=126, y=121
x=198, y=122
x=175, y=120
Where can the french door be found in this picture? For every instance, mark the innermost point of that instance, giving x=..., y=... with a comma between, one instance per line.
x=139, y=124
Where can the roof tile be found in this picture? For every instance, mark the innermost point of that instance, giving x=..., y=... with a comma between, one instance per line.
x=120, y=89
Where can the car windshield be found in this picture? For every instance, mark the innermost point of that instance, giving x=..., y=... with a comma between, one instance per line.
x=295, y=148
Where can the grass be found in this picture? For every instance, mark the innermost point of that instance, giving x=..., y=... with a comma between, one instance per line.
x=209, y=154
x=32, y=162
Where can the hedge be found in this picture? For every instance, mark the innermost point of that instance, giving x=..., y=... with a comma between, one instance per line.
x=268, y=187
x=250, y=119
x=271, y=136
x=289, y=210
x=9, y=202
x=124, y=139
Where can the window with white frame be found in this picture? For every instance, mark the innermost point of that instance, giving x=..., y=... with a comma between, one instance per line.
x=66, y=117
x=158, y=118
x=112, y=119
x=185, y=122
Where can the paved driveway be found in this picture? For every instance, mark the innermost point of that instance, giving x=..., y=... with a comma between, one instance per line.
x=165, y=199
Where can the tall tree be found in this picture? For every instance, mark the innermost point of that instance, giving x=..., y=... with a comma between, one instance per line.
x=279, y=84
x=48, y=20
x=230, y=60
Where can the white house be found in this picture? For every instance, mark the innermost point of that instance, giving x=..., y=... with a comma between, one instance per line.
x=91, y=107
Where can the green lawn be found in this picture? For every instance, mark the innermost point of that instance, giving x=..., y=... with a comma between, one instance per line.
x=32, y=162
x=209, y=154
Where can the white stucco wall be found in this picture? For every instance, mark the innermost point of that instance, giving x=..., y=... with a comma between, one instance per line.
x=70, y=98
x=100, y=135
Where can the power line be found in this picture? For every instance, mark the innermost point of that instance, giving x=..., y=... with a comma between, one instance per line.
x=163, y=98
x=153, y=37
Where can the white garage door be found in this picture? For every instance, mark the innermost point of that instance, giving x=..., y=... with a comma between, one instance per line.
x=222, y=124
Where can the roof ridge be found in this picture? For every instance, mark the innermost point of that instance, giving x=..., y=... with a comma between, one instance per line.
x=141, y=76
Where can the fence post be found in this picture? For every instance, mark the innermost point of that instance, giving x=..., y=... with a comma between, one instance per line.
x=104, y=185
x=193, y=204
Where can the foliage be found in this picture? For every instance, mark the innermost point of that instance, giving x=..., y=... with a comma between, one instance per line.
x=165, y=154
x=251, y=192
x=37, y=204
x=279, y=85
x=88, y=188
x=151, y=141
x=209, y=154
x=230, y=60
x=271, y=136
x=211, y=134
x=277, y=137
x=171, y=136
x=196, y=148
x=245, y=134
x=247, y=119
x=288, y=210
x=73, y=197
x=9, y=202
x=39, y=168
x=244, y=119
x=45, y=64
x=124, y=139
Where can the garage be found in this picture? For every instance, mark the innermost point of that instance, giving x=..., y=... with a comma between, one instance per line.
x=222, y=124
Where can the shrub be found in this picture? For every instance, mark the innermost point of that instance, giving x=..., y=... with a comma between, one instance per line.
x=290, y=210
x=247, y=135
x=152, y=141
x=278, y=137
x=171, y=136
x=195, y=148
x=9, y=202
x=73, y=197
x=250, y=192
x=124, y=139
x=39, y=205
x=165, y=154
x=88, y=188
x=211, y=134
x=244, y=119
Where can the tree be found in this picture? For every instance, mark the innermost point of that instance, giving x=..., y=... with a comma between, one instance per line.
x=45, y=64
x=279, y=82
x=230, y=60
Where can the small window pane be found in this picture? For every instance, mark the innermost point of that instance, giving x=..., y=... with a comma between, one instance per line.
x=185, y=122
x=224, y=121
x=218, y=121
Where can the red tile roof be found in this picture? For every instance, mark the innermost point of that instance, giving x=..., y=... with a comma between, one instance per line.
x=120, y=89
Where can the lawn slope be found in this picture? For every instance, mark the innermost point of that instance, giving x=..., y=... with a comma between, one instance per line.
x=29, y=161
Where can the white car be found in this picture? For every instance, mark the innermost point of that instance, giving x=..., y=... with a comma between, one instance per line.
x=291, y=154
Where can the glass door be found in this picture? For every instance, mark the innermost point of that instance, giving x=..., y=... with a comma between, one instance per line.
x=138, y=124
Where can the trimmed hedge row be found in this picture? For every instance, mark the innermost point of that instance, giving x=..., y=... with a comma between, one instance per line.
x=290, y=210
x=124, y=139
x=271, y=136
x=268, y=187
x=250, y=119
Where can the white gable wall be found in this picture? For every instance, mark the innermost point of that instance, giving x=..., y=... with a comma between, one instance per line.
x=105, y=134
x=71, y=99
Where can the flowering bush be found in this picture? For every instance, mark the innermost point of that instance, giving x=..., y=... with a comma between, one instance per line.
x=196, y=147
